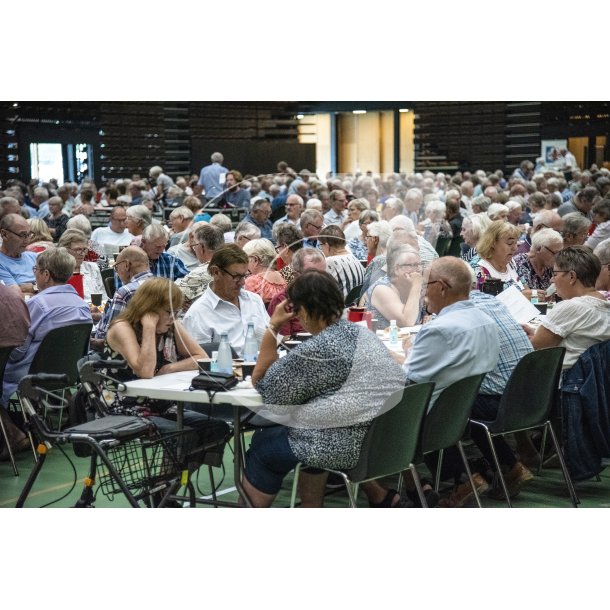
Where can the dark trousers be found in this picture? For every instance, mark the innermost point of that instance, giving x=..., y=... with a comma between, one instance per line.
x=485, y=408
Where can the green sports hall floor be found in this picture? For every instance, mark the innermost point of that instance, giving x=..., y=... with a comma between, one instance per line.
x=57, y=478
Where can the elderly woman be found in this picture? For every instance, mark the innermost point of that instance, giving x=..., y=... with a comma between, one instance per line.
x=57, y=220
x=497, y=211
x=263, y=280
x=496, y=249
x=434, y=224
x=515, y=210
x=340, y=380
x=76, y=243
x=41, y=237
x=245, y=232
x=603, y=279
x=575, y=229
x=472, y=228
x=397, y=295
x=96, y=252
x=357, y=245
x=601, y=217
x=582, y=318
x=153, y=342
x=340, y=262
x=351, y=227
x=138, y=218
x=535, y=268
x=289, y=240
x=480, y=204
x=377, y=236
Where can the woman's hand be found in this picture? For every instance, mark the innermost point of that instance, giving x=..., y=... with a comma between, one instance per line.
x=282, y=314
x=150, y=320
x=530, y=331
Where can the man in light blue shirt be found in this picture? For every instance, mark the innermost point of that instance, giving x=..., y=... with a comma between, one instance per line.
x=57, y=305
x=15, y=263
x=212, y=177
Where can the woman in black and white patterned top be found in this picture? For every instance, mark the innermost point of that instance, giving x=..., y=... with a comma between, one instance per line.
x=325, y=392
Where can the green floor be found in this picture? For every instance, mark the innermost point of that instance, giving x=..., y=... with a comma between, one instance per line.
x=57, y=479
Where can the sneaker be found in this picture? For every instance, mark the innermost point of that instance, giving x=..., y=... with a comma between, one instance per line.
x=514, y=479
x=464, y=492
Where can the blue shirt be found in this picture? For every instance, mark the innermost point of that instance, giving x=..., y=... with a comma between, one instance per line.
x=54, y=307
x=514, y=343
x=167, y=265
x=266, y=229
x=209, y=179
x=461, y=341
x=17, y=270
x=239, y=199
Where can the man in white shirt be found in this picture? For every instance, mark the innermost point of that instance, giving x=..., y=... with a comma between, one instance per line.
x=337, y=214
x=225, y=306
x=116, y=234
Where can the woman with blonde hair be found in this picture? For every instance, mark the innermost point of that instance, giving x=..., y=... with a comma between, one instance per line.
x=153, y=342
x=263, y=280
x=496, y=249
x=41, y=238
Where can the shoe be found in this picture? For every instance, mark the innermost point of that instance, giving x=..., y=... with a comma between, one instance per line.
x=431, y=496
x=514, y=479
x=464, y=492
x=388, y=501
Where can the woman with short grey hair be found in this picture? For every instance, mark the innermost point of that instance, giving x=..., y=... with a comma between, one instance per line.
x=96, y=252
x=575, y=229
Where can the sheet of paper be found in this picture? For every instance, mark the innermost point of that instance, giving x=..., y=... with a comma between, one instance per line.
x=518, y=305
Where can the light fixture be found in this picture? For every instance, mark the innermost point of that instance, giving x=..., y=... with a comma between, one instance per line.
x=359, y=111
x=300, y=116
x=403, y=110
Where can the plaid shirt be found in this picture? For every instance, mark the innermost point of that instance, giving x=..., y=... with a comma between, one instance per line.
x=119, y=302
x=167, y=265
x=514, y=343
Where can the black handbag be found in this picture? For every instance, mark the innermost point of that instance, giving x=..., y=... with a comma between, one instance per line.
x=214, y=381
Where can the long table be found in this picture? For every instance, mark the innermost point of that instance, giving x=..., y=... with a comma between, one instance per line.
x=176, y=387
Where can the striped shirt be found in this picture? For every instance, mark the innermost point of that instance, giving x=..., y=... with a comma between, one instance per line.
x=347, y=270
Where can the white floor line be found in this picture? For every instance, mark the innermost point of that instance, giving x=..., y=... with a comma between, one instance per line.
x=228, y=490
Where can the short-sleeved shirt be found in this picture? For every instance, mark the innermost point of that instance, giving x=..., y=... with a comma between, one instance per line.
x=580, y=322
x=528, y=276
x=347, y=270
x=17, y=270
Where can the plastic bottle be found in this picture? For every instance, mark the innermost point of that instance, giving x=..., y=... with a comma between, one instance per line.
x=393, y=332
x=534, y=297
x=214, y=363
x=251, y=345
x=225, y=359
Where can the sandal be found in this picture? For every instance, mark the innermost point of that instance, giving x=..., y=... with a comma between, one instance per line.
x=432, y=497
x=388, y=501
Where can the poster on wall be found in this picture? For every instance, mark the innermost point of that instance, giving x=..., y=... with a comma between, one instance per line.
x=550, y=152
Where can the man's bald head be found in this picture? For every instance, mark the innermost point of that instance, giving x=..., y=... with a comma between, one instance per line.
x=131, y=261
x=455, y=274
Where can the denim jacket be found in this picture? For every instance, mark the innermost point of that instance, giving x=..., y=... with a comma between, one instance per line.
x=585, y=402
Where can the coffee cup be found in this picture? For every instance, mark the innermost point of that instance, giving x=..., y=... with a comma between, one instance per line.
x=96, y=299
x=541, y=307
x=204, y=364
x=247, y=368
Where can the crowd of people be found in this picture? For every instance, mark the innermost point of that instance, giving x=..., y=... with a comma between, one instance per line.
x=305, y=244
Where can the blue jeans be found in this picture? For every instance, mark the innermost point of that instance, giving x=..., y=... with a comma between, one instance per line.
x=269, y=459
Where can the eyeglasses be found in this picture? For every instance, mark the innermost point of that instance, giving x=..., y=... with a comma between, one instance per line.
x=119, y=263
x=316, y=226
x=78, y=250
x=27, y=235
x=556, y=271
x=437, y=282
x=36, y=268
x=551, y=251
x=236, y=277
x=280, y=247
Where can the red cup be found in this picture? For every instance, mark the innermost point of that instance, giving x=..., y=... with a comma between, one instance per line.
x=356, y=314
x=368, y=318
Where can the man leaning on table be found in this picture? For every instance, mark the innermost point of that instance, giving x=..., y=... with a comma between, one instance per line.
x=225, y=306
x=459, y=342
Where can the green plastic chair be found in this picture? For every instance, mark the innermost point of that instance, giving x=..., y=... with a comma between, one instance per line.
x=445, y=424
x=5, y=352
x=390, y=444
x=442, y=245
x=526, y=404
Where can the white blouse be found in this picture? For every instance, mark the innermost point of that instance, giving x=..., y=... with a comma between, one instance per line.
x=581, y=322
x=92, y=280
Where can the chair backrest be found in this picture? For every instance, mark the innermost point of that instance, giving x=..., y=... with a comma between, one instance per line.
x=353, y=296
x=61, y=349
x=109, y=286
x=530, y=392
x=5, y=352
x=390, y=443
x=444, y=425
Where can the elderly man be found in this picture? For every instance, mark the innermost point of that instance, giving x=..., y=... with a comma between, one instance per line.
x=337, y=214
x=582, y=202
x=259, y=214
x=179, y=220
x=40, y=202
x=212, y=178
x=116, y=234
x=575, y=229
x=245, y=232
x=56, y=305
x=414, y=200
x=225, y=306
x=16, y=265
x=184, y=250
x=161, y=181
x=133, y=268
x=294, y=209
x=302, y=260
x=546, y=219
x=393, y=207
x=207, y=239
x=135, y=189
x=312, y=222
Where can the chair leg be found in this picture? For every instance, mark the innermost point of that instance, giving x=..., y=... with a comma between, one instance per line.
x=400, y=483
x=469, y=473
x=8, y=446
x=542, y=447
x=564, y=468
x=420, y=491
x=295, y=485
x=213, y=484
x=498, y=468
x=439, y=467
